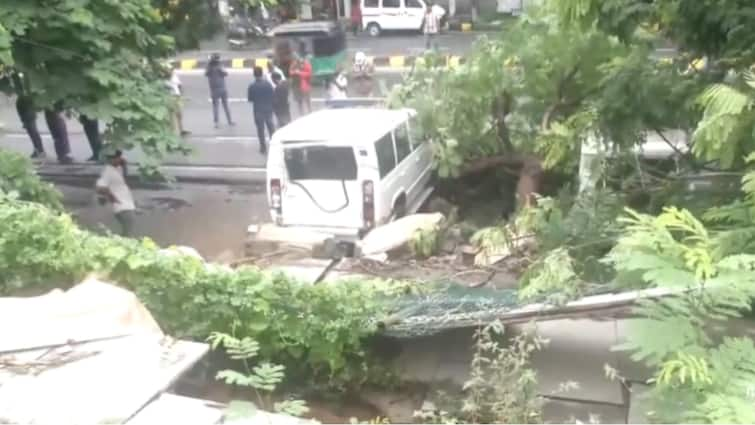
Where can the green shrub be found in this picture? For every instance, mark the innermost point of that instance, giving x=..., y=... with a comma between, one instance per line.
x=16, y=178
x=318, y=328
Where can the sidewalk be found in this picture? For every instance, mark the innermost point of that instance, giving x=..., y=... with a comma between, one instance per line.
x=229, y=160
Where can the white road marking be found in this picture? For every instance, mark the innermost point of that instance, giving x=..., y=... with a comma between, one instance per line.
x=205, y=138
x=314, y=99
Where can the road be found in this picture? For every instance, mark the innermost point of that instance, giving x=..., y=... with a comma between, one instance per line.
x=223, y=147
x=452, y=43
x=226, y=146
x=212, y=219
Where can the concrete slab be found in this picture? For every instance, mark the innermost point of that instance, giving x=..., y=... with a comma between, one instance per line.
x=562, y=411
x=638, y=404
x=631, y=370
x=577, y=352
x=419, y=359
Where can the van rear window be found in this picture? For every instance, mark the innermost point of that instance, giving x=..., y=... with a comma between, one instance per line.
x=321, y=163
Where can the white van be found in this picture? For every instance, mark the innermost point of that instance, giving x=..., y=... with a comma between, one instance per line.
x=379, y=15
x=345, y=171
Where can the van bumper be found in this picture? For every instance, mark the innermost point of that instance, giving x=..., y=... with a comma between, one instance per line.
x=338, y=233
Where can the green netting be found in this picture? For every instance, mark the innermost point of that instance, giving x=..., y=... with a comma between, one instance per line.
x=452, y=306
x=449, y=307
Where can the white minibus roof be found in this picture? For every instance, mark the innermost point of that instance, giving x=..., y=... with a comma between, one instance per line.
x=357, y=126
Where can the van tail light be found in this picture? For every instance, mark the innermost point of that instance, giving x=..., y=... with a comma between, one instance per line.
x=368, y=204
x=275, y=195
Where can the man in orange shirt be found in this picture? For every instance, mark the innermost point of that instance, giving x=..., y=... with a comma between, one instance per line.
x=301, y=76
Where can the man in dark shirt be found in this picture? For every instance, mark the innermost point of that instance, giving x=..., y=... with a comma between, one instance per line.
x=260, y=94
x=280, y=100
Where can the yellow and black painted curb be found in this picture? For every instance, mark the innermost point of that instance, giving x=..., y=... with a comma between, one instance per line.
x=395, y=62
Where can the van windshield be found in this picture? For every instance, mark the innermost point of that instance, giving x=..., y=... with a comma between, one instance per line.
x=321, y=162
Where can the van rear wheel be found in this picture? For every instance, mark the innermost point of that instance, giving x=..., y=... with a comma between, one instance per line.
x=373, y=29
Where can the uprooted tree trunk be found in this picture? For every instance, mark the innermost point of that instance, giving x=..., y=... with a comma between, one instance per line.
x=527, y=168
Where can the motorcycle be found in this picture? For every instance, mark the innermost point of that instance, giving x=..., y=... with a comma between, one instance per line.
x=244, y=33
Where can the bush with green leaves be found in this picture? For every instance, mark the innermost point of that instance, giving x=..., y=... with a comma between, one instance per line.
x=700, y=376
x=502, y=387
x=16, y=178
x=263, y=378
x=314, y=329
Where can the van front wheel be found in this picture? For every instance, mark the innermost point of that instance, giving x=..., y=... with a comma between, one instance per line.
x=373, y=29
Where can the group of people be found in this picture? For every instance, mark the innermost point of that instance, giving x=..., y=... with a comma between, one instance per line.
x=271, y=89
x=27, y=113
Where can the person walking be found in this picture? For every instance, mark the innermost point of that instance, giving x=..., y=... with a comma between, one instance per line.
x=112, y=186
x=216, y=77
x=431, y=26
x=356, y=18
x=28, y=116
x=280, y=100
x=59, y=133
x=337, y=86
x=260, y=95
x=301, y=74
x=92, y=130
x=362, y=73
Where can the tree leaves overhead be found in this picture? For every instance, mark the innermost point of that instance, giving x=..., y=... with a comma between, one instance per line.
x=189, y=21
x=104, y=58
x=719, y=29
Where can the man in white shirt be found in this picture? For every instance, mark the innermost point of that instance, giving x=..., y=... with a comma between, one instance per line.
x=431, y=27
x=272, y=69
x=112, y=186
x=174, y=85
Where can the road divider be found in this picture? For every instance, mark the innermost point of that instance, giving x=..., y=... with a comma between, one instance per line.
x=398, y=62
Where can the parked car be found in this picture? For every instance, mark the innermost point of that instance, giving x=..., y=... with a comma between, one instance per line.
x=345, y=171
x=392, y=15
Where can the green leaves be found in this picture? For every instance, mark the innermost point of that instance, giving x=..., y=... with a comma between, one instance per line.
x=101, y=58
x=15, y=176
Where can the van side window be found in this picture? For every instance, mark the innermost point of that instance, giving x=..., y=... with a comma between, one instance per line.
x=385, y=155
x=403, y=146
x=372, y=3
x=392, y=3
x=413, y=4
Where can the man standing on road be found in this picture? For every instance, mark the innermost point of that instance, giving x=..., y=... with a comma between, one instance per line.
x=28, y=116
x=260, y=95
x=431, y=27
x=356, y=17
x=112, y=186
x=280, y=100
x=92, y=130
x=59, y=133
x=216, y=77
x=174, y=85
x=301, y=74
x=271, y=70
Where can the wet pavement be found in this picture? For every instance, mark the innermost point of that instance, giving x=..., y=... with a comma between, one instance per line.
x=211, y=219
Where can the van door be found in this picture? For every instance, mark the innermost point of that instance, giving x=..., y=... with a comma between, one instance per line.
x=391, y=15
x=405, y=167
x=421, y=158
x=414, y=13
x=371, y=13
x=390, y=180
x=321, y=187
